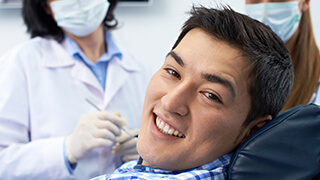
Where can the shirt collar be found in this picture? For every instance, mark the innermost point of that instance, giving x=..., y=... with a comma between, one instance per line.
x=112, y=49
x=61, y=54
x=222, y=161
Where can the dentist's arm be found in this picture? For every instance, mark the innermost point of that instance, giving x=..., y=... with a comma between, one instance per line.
x=21, y=155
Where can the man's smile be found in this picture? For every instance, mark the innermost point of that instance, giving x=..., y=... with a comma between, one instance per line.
x=167, y=129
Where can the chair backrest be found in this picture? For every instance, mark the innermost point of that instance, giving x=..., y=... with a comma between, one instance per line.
x=287, y=147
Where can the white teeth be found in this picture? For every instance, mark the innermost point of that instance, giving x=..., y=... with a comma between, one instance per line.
x=161, y=125
x=170, y=131
x=176, y=133
x=166, y=129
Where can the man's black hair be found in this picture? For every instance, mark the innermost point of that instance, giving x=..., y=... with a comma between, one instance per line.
x=270, y=69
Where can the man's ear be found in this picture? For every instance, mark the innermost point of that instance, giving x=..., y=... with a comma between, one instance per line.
x=257, y=124
x=304, y=5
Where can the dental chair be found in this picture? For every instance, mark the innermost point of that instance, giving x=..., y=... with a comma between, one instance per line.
x=287, y=147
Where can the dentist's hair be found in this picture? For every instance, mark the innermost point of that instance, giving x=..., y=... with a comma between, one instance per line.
x=268, y=62
x=39, y=21
x=305, y=57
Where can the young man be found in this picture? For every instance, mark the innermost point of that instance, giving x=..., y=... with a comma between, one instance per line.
x=226, y=76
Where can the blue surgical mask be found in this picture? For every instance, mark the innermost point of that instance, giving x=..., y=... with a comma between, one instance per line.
x=283, y=18
x=79, y=17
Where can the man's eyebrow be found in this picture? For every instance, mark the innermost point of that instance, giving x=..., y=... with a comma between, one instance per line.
x=209, y=77
x=217, y=79
x=176, y=58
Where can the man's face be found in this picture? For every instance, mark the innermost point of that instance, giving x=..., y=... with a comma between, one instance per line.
x=195, y=105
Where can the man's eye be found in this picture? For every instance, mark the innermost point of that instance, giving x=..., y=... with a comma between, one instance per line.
x=212, y=97
x=173, y=73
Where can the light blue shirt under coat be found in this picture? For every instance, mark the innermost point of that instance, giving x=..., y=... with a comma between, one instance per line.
x=99, y=69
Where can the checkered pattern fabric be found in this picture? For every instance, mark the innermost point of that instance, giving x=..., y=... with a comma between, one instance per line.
x=215, y=170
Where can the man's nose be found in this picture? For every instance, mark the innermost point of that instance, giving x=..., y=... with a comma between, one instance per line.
x=177, y=99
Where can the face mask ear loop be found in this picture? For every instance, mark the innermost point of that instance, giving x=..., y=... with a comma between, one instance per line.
x=110, y=20
x=111, y=24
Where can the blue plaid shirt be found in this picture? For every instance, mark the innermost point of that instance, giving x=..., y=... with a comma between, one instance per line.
x=215, y=170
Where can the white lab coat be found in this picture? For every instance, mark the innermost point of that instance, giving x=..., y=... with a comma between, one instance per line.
x=42, y=96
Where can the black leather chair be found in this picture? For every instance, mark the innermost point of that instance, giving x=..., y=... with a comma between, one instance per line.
x=288, y=147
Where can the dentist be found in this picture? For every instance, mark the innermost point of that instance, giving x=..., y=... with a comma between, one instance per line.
x=47, y=129
x=291, y=20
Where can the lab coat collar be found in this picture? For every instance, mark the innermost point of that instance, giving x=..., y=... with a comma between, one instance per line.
x=117, y=74
x=126, y=61
x=58, y=57
x=52, y=59
x=81, y=72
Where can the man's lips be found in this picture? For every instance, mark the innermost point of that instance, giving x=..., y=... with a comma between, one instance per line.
x=165, y=128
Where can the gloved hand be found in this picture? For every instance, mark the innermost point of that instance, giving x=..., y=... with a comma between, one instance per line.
x=93, y=130
x=127, y=146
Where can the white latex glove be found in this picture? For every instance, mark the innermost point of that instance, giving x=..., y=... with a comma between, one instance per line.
x=93, y=130
x=127, y=146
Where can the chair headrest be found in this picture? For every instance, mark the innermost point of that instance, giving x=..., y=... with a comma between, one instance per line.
x=287, y=147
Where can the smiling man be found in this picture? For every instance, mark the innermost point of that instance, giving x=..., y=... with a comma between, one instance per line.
x=226, y=76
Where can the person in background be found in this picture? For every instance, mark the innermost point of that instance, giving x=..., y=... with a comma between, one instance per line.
x=291, y=20
x=220, y=83
x=49, y=127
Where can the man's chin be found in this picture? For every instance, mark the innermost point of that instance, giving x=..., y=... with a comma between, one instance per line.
x=161, y=163
x=151, y=158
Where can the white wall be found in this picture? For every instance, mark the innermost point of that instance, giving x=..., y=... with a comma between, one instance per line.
x=147, y=31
